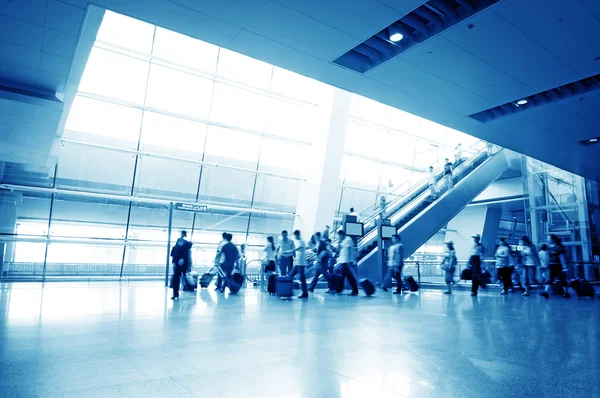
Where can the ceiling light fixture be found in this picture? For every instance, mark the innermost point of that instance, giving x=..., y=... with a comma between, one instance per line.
x=593, y=140
x=521, y=102
x=396, y=36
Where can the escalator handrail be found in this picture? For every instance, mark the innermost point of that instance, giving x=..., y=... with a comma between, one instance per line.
x=419, y=199
x=425, y=181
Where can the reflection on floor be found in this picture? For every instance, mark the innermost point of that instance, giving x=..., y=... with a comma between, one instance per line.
x=130, y=340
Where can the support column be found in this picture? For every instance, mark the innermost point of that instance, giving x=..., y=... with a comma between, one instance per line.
x=8, y=227
x=318, y=198
x=473, y=220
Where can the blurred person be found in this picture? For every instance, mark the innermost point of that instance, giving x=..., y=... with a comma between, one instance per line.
x=218, y=259
x=229, y=260
x=544, y=262
x=432, y=183
x=180, y=255
x=530, y=261
x=475, y=261
x=243, y=260
x=346, y=256
x=300, y=263
x=449, y=265
x=354, y=213
x=448, y=174
x=504, y=266
x=285, y=254
x=458, y=154
x=395, y=265
x=326, y=232
x=322, y=265
x=382, y=206
x=557, y=265
x=269, y=255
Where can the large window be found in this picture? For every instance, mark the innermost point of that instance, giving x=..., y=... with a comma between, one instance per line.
x=161, y=117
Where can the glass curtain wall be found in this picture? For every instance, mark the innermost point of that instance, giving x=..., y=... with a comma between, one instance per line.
x=556, y=202
x=162, y=117
x=397, y=155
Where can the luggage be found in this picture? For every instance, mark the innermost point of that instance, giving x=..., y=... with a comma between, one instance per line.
x=486, y=279
x=235, y=282
x=466, y=274
x=284, y=286
x=411, y=284
x=555, y=290
x=583, y=288
x=367, y=286
x=189, y=283
x=271, y=283
x=334, y=282
x=206, y=279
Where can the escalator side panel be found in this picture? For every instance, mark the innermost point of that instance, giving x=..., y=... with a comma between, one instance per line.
x=425, y=224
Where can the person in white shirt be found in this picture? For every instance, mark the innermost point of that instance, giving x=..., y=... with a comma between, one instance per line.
x=300, y=263
x=395, y=265
x=355, y=214
x=544, y=262
x=449, y=265
x=347, y=256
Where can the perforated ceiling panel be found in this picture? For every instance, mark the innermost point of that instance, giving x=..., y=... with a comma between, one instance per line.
x=426, y=21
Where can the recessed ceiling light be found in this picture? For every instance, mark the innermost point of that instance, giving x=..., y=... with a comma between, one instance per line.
x=593, y=140
x=521, y=102
x=396, y=37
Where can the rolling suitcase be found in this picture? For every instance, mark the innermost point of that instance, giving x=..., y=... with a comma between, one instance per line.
x=334, y=282
x=235, y=282
x=271, y=283
x=466, y=274
x=411, y=284
x=284, y=286
x=554, y=289
x=583, y=288
x=206, y=279
x=189, y=283
x=367, y=286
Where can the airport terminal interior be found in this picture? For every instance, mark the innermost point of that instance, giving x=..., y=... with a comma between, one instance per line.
x=434, y=163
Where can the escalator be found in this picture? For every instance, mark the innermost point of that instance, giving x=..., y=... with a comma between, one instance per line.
x=418, y=217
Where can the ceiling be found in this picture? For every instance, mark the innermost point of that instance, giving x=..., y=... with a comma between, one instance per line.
x=515, y=49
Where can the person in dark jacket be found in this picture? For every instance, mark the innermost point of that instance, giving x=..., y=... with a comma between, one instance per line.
x=180, y=256
x=323, y=256
x=229, y=259
x=557, y=266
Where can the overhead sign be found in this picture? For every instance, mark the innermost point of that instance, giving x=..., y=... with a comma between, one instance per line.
x=191, y=207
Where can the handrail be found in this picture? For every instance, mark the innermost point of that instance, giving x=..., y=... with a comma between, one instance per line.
x=420, y=183
x=460, y=168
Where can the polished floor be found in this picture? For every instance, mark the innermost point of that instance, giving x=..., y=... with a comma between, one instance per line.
x=131, y=340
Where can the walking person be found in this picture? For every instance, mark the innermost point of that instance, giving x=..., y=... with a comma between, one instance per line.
x=300, y=263
x=395, y=265
x=354, y=213
x=323, y=257
x=268, y=260
x=448, y=174
x=180, y=255
x=458, y=154
x=530, y=261
x=432, y=183
x=347, y=255
x=449, y=265
x=218, y=260
x=382, y=206
x=285, y=254
x=475, y=261
x=544, y=262
x=504, y=266
x=557, y=266
x=229, y=259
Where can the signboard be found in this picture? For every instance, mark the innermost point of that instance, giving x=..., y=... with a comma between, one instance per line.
x=191, y=207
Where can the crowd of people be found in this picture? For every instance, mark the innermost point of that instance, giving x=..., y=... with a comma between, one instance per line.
x=547, y=267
